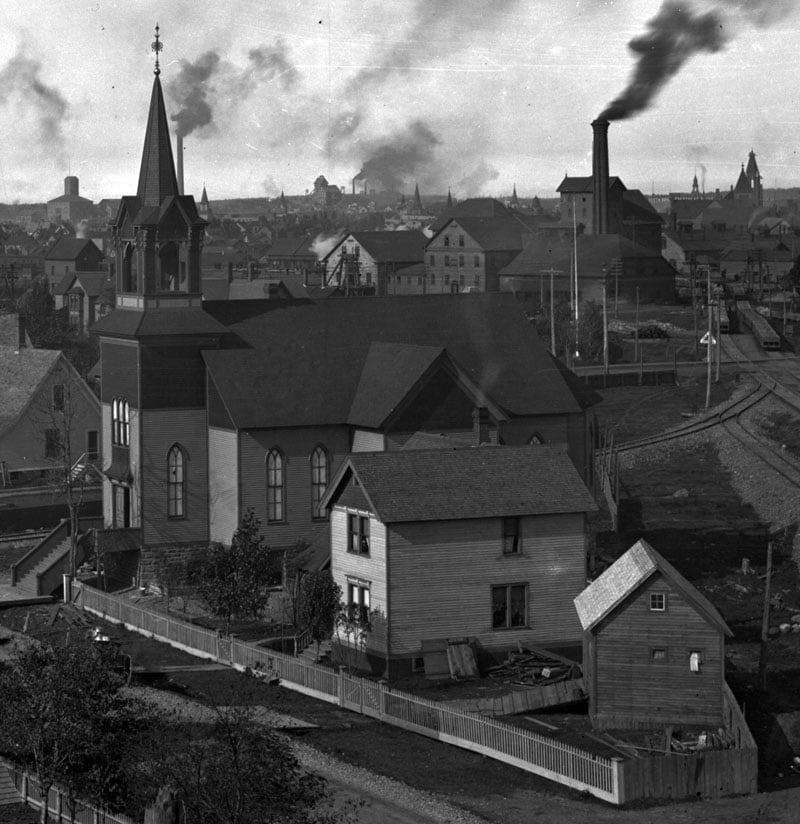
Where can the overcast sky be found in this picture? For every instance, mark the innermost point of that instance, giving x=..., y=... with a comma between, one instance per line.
x=475, y=95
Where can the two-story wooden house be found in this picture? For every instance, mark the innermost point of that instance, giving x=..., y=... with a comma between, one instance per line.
x=484, y=542
x=69, y=255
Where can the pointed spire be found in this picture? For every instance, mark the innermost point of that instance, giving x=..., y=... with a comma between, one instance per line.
x=514, y=199
x=417, y=200
x=157, y=178
x=449, y=198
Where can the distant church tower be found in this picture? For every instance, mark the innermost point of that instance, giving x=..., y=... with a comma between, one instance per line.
x=754, y=178
x=695, y=187
x=204, y=210
x=154, y=443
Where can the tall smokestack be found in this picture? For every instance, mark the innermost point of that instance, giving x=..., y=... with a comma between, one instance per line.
x=180, y=163
x=600, y=177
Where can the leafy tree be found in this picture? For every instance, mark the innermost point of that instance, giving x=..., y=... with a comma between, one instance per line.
x=353, y=624
x=235, y=770
x=320, y=598
x=44, y=323
x=64, y=716
x=235, y=580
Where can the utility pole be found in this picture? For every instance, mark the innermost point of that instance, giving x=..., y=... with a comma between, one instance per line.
x=719, y=305
x=710, y=344
x=552, y=272
x=605, y=324
x=762, y=657
x=636, y=341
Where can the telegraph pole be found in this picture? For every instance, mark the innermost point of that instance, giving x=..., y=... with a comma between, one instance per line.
x=552, y=272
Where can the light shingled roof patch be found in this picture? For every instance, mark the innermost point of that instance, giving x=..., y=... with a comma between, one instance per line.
x=22, y=370
x=625, y=575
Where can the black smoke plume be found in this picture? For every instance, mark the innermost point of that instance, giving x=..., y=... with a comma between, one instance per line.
x=392, y=164
x=22, y=77
x=674, y=35
x=190, y=90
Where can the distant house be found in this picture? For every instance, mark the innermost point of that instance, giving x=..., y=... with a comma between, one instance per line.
x=653, y=646
x=610, y=259
x=69, y=255
x=37, y=385
x=368, y=262
x=70, y=207
x=471, y=245
x=292, y=257
x=484, y=542
x=81, y=293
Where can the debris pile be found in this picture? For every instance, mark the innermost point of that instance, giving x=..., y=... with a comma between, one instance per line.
x=536, y=667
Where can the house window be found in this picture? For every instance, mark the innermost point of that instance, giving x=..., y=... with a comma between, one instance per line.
x=658, y=601
x=176, y=483
x=446, y=279
x=446, y=241
x=120, y=422
x=477, y=281
x=509, y=606
x=433, y=279
x=511, y=542
x=695, y=660
x=461, y=240
x=92, y=444
x=275, y=487
x=658, y=655
x=58, y=397
x=433, y=260
x=447, y=260
x=461, y=260
x=358, y=598
x=461, y=279
x=122, y=506
x=52, y=443
x=357, y=534
x=319, y=480
x=476, y=261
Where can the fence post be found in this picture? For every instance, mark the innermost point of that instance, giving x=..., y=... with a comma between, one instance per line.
x=24, y=788
x=340, y=686
x=617, y=782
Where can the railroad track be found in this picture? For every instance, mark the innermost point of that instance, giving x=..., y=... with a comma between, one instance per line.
x=731, y=417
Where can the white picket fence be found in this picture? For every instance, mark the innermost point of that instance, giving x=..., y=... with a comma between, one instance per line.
x=525, y=749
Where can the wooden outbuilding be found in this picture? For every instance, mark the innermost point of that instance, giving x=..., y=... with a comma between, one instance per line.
x=653, y=646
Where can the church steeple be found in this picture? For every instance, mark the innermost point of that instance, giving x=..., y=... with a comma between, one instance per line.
x=157, y=179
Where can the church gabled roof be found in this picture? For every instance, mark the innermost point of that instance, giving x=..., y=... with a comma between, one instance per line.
x=742, y=184
x=157, y=179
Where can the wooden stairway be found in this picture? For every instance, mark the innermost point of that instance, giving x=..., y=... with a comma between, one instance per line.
x=8, y=792
x=28, y=583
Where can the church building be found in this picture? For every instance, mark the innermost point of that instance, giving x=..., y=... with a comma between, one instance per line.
x=211, y=408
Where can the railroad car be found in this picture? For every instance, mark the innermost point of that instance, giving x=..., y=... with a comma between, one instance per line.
x=766, y=337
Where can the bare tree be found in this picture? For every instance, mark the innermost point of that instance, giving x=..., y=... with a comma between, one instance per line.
x=63, y=414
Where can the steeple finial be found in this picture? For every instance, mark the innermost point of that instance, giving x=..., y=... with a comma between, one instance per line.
x=157, y=46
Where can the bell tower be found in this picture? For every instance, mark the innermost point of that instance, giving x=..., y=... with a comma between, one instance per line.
x=153, y=380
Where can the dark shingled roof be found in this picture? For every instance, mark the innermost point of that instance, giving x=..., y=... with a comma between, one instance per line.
x=400, y=247
x=157, y=179
x=155, y=322
x=625, y=575
x=22, y=370
x=92, y=283
x=70, y=248
x=492, y=482
x=328, y=343
x=492, y=234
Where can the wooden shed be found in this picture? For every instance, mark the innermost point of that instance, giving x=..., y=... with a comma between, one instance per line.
x=653, y=646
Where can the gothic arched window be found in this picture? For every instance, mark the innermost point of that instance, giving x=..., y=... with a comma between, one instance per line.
x=176, y=482
x=275, y=487
x=320, y=468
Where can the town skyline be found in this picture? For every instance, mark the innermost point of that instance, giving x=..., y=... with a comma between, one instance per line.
x=447, y=96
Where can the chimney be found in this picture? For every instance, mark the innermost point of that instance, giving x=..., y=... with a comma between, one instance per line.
x=180, y=164
x=480, y=425
x=600, y=177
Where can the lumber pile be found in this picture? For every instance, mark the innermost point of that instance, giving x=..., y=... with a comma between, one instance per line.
x=536, y=667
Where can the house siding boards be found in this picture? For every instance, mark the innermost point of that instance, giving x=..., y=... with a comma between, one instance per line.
x=369, y=568
x=223, y=461
x=460, y=561
x=120, y=378
x=366, y=441
x=628, y=683
x=296, y=446
x=158, y=435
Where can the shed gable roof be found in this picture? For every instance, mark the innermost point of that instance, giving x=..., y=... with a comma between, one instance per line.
x=625, y=575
